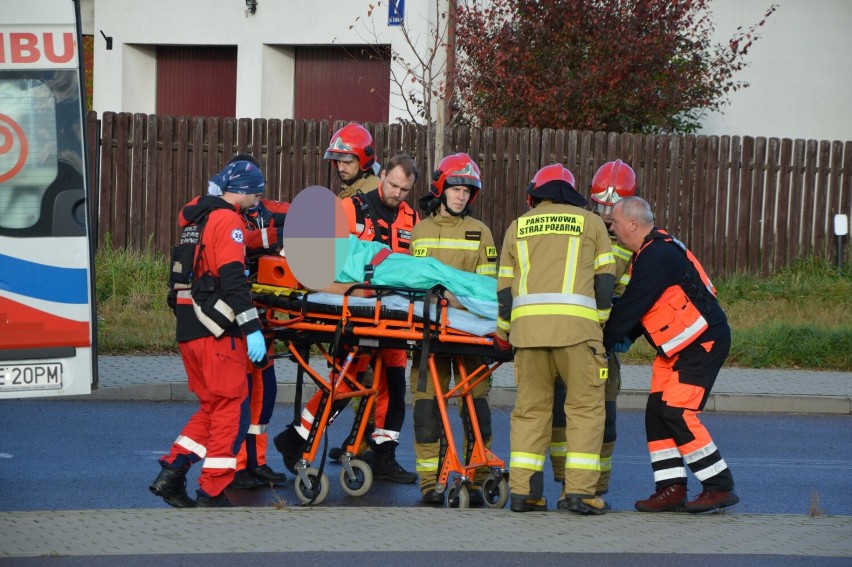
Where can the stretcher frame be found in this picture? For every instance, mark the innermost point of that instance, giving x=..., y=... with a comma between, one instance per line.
x=358, y=331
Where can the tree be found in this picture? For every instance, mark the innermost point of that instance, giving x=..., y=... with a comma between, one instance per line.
x=611, y=65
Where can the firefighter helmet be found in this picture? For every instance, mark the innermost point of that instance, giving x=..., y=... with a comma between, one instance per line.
x=352, y=140
x=456, y=169
x=548, y=183
x=613, y=181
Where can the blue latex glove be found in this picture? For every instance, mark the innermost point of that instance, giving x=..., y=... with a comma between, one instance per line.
x=622, y=346
x=256, y=346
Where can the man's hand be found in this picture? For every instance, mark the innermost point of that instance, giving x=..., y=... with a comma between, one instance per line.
x=256, y=346
x=622, y=346
x=501, y=346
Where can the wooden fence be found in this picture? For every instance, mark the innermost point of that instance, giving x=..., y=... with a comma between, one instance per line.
x=742, y=204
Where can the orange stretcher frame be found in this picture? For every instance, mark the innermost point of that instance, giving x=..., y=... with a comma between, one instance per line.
x=363, y=331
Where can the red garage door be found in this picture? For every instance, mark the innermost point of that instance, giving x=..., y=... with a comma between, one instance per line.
x=197, y=80
x=342, y=83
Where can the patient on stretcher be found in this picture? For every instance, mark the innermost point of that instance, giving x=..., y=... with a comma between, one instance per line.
x=474, y=292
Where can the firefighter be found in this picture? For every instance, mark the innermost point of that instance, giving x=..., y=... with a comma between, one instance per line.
x=382, y=216
x=264, y=224
x=217, y=328
x=554, y=291
x=612, y=182
x=351, y=153
x=672, y=302
x=451, y=235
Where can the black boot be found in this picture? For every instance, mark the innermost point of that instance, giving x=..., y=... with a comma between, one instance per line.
x=218, y=501
x=386, y=467
x=291, y=446
x=170, y=485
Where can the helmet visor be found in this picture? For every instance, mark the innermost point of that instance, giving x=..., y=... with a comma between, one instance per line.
x=340, y=156
x=453, y=180
x=607, y=197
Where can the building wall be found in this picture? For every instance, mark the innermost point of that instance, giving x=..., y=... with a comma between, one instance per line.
x=800, y=70
x=265, y=41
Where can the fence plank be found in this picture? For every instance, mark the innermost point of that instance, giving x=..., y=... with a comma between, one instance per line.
x=782, y=233
x=707, y=209
x=797, y=191
x=821, y=198
x=828, y=209
x=756, y=212
x=121, y=183
x=768, y=238
x=809, y=196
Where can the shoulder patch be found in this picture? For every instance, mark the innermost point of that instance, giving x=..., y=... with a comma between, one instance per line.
x=237, y=236
x=491, y=252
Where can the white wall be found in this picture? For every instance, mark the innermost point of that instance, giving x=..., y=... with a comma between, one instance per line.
x=800, y=70
x=125, y=76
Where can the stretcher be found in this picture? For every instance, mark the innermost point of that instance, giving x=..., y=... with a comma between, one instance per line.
x=346, y=330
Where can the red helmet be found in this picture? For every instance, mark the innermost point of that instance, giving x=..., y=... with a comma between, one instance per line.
x=614, y=181
x=456, y=169
x=352, y=140
x=545, y=184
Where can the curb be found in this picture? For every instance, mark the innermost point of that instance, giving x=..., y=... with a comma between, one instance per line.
x=505, y=397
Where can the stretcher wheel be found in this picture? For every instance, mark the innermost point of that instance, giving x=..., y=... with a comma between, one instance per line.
x=307, y=493
x=458, y=497
x=363, y=481
x=495, y=492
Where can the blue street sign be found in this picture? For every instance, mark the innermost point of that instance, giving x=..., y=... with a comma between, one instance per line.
x=396, y=12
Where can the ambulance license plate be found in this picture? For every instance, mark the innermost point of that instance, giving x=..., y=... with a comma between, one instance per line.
x=31, y=376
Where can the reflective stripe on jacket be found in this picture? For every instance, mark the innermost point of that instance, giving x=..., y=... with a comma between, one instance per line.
x=550, y=259
x=463, y=243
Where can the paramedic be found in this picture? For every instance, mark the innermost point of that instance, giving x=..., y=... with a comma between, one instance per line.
x=383, y=216
x=672, y=302
x=264, y=224
x=554, y=291
x=217, y=327
x=452, y=236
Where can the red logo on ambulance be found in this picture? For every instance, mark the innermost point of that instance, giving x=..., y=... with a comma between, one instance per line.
x=12, y=140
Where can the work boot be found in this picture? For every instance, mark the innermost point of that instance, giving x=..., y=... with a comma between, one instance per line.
x=432, y=498
x=592, y=505
x=386, y=467
x=524, y=504
x=220, y=501
x=711, y=500
x=266, y=475
x=672, y=498
x=244, y=481
x=291, y=446
x=170, y=485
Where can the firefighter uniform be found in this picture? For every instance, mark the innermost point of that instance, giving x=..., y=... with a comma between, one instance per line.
x=555, y=283
x=466, y=244
x=365, y=183
x=211, y=323
x=558, y=444
x=672, y=302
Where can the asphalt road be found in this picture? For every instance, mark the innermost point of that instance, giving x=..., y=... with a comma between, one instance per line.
x=77, y=455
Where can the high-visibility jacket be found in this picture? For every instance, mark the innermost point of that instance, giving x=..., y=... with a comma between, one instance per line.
x=460, y=242
x=555, y=277
x=670, y=299
x=370, y=219
x=364, y=184
x=217, y=231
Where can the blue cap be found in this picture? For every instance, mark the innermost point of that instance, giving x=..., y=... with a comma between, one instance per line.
x=240, y=177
